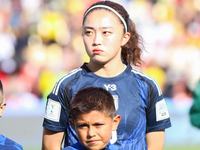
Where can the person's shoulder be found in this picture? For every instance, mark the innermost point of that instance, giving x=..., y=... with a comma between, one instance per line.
x=7, y=143
x=142, y=77
x=72, y=74
x=139, y=74
x=69, y=77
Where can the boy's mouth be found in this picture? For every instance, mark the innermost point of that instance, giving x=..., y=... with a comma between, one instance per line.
x=92, y=141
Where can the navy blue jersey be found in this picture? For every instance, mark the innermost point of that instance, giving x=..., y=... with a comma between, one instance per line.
x=138, y=99
x=8, y=144
x=79, y=146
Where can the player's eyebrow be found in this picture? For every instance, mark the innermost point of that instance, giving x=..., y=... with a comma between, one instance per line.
x=107, y=27
x=88, y=27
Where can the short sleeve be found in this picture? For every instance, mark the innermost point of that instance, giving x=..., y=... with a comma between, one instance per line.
x=158, y=116
x=56, y=117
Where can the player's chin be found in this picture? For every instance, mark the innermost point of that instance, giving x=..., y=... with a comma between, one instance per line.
x=99, y=60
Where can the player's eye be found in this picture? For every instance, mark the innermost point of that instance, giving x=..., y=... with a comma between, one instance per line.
x=88, y=32
x=106, y=32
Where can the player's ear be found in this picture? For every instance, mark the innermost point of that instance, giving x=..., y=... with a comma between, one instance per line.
x=125, y=39
x=116, y=121
x=2, y=107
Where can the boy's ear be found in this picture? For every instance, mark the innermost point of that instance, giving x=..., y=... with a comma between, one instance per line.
x=72, y=123
x=116, y=121
x=2, y=107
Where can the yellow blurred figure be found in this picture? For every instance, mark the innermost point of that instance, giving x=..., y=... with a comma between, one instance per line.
x=47, y=81
x=162, y=11
x=75, y=6
x=51, y=25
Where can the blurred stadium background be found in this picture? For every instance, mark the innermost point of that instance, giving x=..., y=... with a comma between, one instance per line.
x=40, y=41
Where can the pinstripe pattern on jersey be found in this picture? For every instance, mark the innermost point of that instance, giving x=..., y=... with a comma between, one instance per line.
x=57, y=86
x=152, y=79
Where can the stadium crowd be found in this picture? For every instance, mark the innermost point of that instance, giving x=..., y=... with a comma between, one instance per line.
x=40, y=41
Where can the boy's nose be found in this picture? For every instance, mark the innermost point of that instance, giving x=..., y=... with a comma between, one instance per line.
x=91, y=132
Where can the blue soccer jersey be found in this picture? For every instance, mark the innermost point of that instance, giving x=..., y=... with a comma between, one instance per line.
x=8, y=144
x=138, y=99
x=79, y=146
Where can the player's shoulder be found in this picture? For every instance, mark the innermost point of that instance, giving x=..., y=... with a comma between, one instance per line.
x=63, y=81
x=74, y=74
x=144, y=78
x=71, y=75
x=130, y=70
x=138, y=75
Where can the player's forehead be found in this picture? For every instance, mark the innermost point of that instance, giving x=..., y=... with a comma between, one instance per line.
x=101, y=14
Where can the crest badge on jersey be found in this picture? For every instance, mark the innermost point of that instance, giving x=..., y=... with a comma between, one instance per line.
x=161, y=110
x=115, y=97
x=53, y=110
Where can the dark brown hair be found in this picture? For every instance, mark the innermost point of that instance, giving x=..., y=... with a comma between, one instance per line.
x=1, y=87
x=91, y=99
x=132, y=50
x=1, y=92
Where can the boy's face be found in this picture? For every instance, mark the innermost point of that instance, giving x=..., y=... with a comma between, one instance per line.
x=94, y=129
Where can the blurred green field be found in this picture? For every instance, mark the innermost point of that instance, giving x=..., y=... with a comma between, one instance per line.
x=182, y=148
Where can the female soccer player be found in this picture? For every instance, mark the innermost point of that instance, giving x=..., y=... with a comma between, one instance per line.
x=112, y=43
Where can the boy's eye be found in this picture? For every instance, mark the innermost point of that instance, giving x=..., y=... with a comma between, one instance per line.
x=82, y=126
x=98, y=125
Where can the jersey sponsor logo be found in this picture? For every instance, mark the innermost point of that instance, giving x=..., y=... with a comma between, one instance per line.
x=53, y=110
x=111, y=87
x=161, y=110
x=144, y=75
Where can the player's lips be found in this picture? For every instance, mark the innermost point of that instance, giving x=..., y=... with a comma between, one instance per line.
x=97, y=51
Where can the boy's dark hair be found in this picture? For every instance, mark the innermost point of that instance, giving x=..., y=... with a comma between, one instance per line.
x=91, y=99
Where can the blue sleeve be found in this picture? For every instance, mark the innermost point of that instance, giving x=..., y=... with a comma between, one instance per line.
x=158, y=115
x=56, y=117
x=6, y=144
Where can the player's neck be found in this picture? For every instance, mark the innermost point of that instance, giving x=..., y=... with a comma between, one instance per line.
x=107, y=70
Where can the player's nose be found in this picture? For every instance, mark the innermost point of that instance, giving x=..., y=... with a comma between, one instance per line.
x=97, y=39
